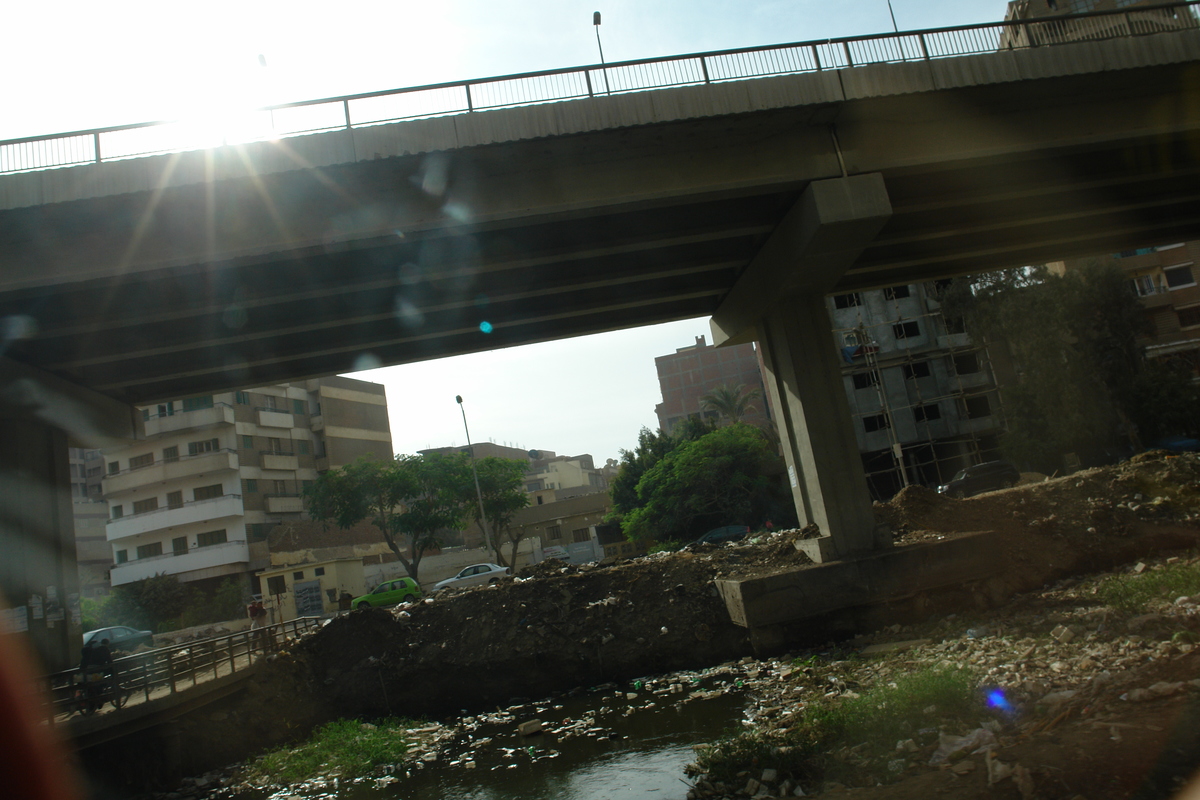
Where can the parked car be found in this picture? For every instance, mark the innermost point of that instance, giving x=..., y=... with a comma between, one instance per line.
x=983, y=477
x=474, y=575
x=389, y=593
x=723, y=534
x=120, y=637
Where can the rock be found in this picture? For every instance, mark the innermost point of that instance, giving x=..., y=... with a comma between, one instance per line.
x=893, y=647
x=530, y=727
x=1063, y=634
x=752, y=787
x=963, y=767
x=769, y=776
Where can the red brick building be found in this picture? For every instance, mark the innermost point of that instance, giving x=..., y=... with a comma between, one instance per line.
x=692, y=372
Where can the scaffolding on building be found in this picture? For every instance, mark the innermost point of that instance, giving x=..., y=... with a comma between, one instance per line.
x=967, y=381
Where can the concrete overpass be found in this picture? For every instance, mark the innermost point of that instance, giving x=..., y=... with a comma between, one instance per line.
x=131, y=281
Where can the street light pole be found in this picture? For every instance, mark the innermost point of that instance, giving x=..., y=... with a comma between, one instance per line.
x=487, y=535
x=596, y=23
x=893, y=13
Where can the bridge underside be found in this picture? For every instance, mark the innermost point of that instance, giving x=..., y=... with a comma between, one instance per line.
x=279, y=276
x=132, y=282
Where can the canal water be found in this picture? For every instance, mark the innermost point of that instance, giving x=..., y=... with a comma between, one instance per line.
x=603, y=745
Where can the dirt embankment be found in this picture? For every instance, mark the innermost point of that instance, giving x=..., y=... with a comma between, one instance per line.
x=563, y=627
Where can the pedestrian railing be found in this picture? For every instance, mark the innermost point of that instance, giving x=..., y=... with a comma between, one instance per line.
x=167, y=670
x=375, y=108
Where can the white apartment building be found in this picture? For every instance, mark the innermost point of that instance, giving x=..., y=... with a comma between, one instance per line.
x=197, y=495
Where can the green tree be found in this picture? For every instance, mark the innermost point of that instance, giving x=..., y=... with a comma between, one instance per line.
x=1080, y=377
x=502, y=486
x=730, y=404
x=651, y=447
x=728, y=476
x=417, y=497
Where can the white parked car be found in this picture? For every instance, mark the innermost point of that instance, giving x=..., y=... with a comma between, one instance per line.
x=473, y=575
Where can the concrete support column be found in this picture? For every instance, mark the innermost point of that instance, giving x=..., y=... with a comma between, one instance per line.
x=804, y=380
x=779, y=300
x=40, y=417
x=38, y=574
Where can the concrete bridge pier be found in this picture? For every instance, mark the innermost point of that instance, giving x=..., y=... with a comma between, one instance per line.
x=40, y=417
x=780, y=301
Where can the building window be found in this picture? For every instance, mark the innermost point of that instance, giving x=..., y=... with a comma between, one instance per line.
x=580, y=535
x=179, y=546
x=319, y=571
x=927, y=413
x=175, y=499
x=554, y=532
x=93, y=472
x=117, y=512
x=144, y=506
x=1179, y=276
x=166, y=409
x=207, y=492
x=917, y=370
x=122, y=556
x=171, y=453
x=298, y=576
x=301, y=447
x=257, y=531
x=1188, y=317
x=876, y=423
x=145, y=415
x=247, y=442
x=276, y=585
x=1144, y=285
x=149, y=550
x=847, y=300
x=206, y=446
x=241, y=398
x=144, y=460
x=275, y=445
x=967, y=364
x=249, y=485
x=197, y=403
x=114, y=467
x=896, y=292
x=977, y=407
x=865, y=380
x=297, y=406
x=906, y=330
x=209, y=538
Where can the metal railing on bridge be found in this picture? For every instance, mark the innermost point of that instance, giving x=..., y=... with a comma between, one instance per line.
x=376, y=108
x=164, y=671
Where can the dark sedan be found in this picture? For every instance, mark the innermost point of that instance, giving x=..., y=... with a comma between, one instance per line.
x=120, y=637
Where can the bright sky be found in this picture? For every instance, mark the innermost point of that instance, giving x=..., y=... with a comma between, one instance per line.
x=73, y=65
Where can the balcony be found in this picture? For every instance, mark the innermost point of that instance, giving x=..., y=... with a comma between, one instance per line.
x=952, y=341
x=198, y=558
x=316, y=423
x=216, y=508
x=280, y=461
x=161, y=471
x=1156, y=299
x=219, y=414
x=272, y=418
x=974, y=380
x=284, y=504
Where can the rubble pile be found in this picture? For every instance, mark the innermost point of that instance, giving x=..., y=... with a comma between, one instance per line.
x=554, y=627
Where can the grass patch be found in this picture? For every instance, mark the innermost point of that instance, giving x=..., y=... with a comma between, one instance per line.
x=871, y=724
x=347, y=748
x=1136, y=592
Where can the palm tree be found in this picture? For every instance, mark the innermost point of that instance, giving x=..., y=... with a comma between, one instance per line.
x=731, y=404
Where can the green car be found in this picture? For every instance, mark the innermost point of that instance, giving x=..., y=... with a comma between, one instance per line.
x=388, y=593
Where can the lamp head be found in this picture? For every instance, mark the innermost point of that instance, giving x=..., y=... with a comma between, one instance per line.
x=595, y=17
x=458, y=399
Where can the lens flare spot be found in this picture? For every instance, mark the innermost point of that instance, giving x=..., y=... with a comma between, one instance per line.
x=17, y=326
x=486, y=326
x=407, y=314
x=998, y=700
x=366, y=361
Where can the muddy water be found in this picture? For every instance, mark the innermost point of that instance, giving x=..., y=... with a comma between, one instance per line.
x=607, y=745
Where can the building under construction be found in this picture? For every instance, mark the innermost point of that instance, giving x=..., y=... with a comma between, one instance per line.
x=922, y=394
